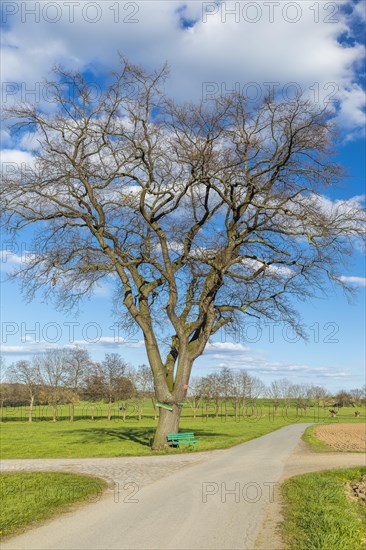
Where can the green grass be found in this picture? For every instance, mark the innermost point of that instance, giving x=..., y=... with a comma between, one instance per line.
x=318, y=514
x=103, y=438
x=28, y=498
x=316, y=444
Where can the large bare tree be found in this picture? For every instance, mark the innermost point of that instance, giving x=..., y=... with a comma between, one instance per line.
x=202, y=214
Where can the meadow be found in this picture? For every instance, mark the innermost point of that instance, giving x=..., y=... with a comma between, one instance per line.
x=129, y=431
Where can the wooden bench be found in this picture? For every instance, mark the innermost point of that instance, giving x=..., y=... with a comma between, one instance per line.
x=184, y=438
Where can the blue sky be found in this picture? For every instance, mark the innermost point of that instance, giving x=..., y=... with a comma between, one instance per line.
x=211, y=48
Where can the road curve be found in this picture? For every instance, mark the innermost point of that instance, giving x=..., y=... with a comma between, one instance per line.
x=216, y=504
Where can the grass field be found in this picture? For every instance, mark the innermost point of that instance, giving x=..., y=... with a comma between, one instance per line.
x=320, y=514
x=28, y=498
x=130, y=437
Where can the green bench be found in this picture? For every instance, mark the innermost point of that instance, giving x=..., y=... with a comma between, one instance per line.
x=184, y=438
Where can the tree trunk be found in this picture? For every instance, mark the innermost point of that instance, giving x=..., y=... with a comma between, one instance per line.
x=141, y=407
x=54, y=413
x=168, y=424
x=110, y=410
x=72, y=412
x=30, y=415
x=154, y=407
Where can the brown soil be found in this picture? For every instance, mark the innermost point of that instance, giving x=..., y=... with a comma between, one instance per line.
x=358, y=489
x=343, y=437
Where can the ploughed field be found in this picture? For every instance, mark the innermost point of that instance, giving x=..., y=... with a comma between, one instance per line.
x=343, y=437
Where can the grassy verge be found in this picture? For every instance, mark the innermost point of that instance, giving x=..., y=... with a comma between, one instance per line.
x=316, y=444
x=320, y=515
x=28, y=498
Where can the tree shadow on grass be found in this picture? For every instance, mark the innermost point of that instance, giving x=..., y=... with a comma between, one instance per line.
x=140, y=436
x=104, y=435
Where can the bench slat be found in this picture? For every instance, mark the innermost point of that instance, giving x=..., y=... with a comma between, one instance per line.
x=182, y=438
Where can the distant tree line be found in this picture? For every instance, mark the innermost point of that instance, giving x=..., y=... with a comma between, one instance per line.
x=70, y=376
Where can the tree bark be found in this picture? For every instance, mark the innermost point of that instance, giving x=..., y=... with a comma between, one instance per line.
x=72, y=412
x=54, y=413
x=30, y=414
x=168, y=423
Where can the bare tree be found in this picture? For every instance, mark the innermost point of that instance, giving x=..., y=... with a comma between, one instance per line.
x=26, y=373
x=204, y=213
x=206, y=394
x=194, y=395
x=95, y=387
x=274, y=393
x=256, y=389
x=145, y=385
x=77, y=368
x=4, y=396
x=356, y=395
x=113, y=369
x=301, y=396
x=214, y=390
x=238, y=391
x=226, y=377
x=52, y=369
x=319, y=395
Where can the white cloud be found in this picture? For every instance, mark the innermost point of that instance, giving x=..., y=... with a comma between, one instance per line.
x=6, y=256
x=10, y=260
x=32, y=347
x=237, y=356
x=301, y=45
x=111, y=341
x=358, y=281
x=225, y=346
x=17, y=157
x=359, y=10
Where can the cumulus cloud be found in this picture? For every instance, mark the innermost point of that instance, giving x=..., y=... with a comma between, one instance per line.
x=260, y=366
x=221, y=45
x=213, y=347
x=34, y=347
x=15, y=157
x=357, y=281
x=111, y=341
x=238, y=356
